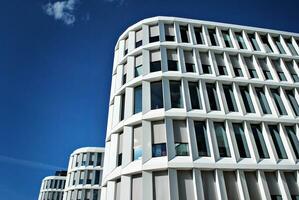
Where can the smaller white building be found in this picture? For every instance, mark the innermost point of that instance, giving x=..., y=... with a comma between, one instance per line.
x=84, y=175
x=53, y=186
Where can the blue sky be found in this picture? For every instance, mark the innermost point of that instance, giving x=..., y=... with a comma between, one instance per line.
x=55, y=72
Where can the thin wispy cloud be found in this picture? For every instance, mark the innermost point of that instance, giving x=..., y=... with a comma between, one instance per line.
x=28, y=163
x=62, y=10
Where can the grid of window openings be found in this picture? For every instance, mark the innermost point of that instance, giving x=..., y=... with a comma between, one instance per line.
x=84, y=174
x=52, y=188
x=202, y=95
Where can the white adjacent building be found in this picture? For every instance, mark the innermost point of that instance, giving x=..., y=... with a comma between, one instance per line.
x=202, y=110
x=52, y=187
x=82, y=181
x=84, y=175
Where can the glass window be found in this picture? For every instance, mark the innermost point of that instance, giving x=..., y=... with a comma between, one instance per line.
x=264, y=66
x=176, y=94
x=154, y=33
x=87, y=194
x=169, y=32
x=259, y=141
x=120, y=149
x=155, y=61
x=247, y=99
x=254, y=42
x=194, y=95
x=137, y=99
x=278, y=101
x=156, y=95
x=199, y=35
x=291, y=132
x=221, y=64
x=279, y=45
x=279, y=71
x=172, y=60
x=189, y=61
x=241, y=140
x=99, y=159
x=180, y=137
x=227, y=40
x=74, y=177
x=277, y=142
x=79, y=194
x=126, y=46
x=212, y=96
x=89, y=176
x=137, y=142
x=222, y=142
x=97, y=177
x=236, y=65
x=91, y=159
x=125, y=73
x=291, y=47
x=84, y=158
x=136, y=187
x=252, y=185
x=209, y=186
x=95, y=195
x=230, y=98
x=266, y=44
x=205, y=63
x=213, y=37
x=201, y=138
x=263, y=100
x=138, y=35
x=184, y=34
x=241, y=41
x=186, y=185
x=291, y=179
x=273, y=186
x=292, y=99
x=138, y=66
x=122, y=106
x=158, y=139
x=251, y=68
x=81, y=177
x=160, y=185
x=231, y=185
x=290, y=67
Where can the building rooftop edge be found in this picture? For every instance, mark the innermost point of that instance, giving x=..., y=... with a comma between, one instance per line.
x=88, y=149
x=204, y=22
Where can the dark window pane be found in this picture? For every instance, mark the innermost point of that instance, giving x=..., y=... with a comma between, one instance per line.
x=155, y=66
x=292, y=99
x=194, y=95
x=278, y=101
x=212, y=95
x=277, y=142
x=137, y=99
x=247, y=100
x=263, y=100
x=175, y=94
x=156, y=95
x=159, y=150
x=241, y=140
x=199, y=35
x=230, y=98
x=184, y=34
x=293, y=139
x=222, y=142
x=213, y=37
x=201, y=138
x=259, y=141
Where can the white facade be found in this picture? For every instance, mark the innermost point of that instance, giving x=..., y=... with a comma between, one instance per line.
x=52, y=188
x=84, y=174
x=202, y=110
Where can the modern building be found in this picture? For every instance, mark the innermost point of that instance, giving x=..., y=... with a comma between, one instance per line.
x=84, y=175
x=202, y=110
x=52, y=186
